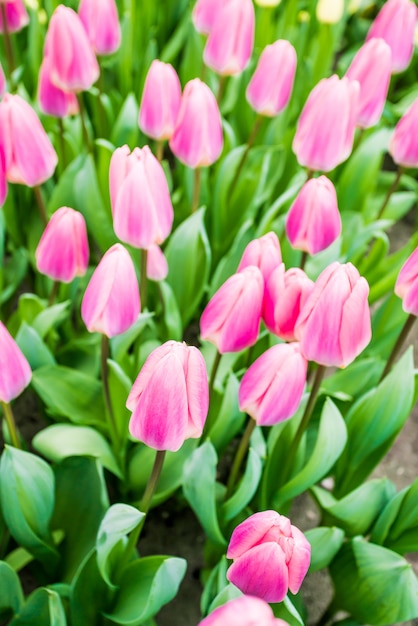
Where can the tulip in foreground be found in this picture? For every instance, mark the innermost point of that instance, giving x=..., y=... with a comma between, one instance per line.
x=160, y=102
x=15, y=371
x=53, y=100
x=169, y=399
x=243, y=611
x=101, y=21
x=403, y=145
x=16, y=16
x=406, y=286
x=271, y=556
x=264, y=253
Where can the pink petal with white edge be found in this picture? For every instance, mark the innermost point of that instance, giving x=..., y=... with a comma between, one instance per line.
x=146, y=372
x=356, y=332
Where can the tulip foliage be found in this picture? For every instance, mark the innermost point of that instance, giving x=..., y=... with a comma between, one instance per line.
x=202, y=309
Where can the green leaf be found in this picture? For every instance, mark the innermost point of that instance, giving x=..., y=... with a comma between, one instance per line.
x=288, y=612
x=11, y=594
x=43, y=607
x=355, y=379
x=121, y=343
x=14, y=271
x=229, y=592
x=125, y=129
x=119, y=387
x=51, y=317
x=34, y=349
x=228, y=419
x=172, y=316
x=246, y=488
x=88, y=593
x=325, y=543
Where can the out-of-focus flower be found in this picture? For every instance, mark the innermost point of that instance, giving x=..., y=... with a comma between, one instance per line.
x=204, y=14
x=329, y=11
x=101, y=21
x=160, y=103
x=15, y=371
x=16, y=16
x=157, y=266
x=3, y=180
x=403, y=145
x=53, y=100
x=407, y=284
x=243, y=611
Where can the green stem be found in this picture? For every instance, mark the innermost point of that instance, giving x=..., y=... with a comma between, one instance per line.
x=196, y=188
x=41, y=205
x=143, y=287
x=215, y=366
x=54, y=292
x=82, y=112
x=309, y=174
x=221, y=90
x=11, y=424
x=160, y=150
x=105, y=380
x=100, y=109
x=303, y=260
x=239, y=457
x=8, y=45
x=62, y=144
x=250, y=142
x=398, y=345
x=391, y=190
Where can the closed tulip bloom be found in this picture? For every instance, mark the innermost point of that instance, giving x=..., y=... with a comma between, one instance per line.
x=334, y=325
x=16, y=16
x=157, y=266
x=325, y=129
x=271, y=556
x=140, y=199
x=314, y=222
x=111, y=301
x=403, y=146
x=231, y=39
x=3, y=180
x=407, y=284
x=30, y=158
x=73, y=64
x=284, y=297
x=243, y=611
x=53, y=100
x=169, y=400
x=197, y=140
x=160, y=103
x=63, y=250
x=204, y=14
x=395, y=23
x=15, y=371
x=101, y=21
x=263, y=252
x=271, y=85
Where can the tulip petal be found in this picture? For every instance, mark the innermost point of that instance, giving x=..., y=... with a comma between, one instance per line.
x=299, y=561
x=250, y=532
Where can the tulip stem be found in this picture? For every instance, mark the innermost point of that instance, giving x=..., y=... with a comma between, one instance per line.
x=196, y=189
x=11, y=424
x=53, y=293
x=398, y=345
x=62, y=144
x=239, y=457
x=309, y=174
x=41, y=205
x=391, y=190
x=160, y=150
x=221, y=90
x=303, y=260
x=215, y=366
x=105, y=380
x=250, y=142
x=83, y=122
x=143, y=287
x=8, y=45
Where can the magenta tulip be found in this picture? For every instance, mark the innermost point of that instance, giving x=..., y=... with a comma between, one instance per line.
x=169, y=399
x=204, y=14
x=197, y=140
x=334, y=325
x=15, y=371
x=111, y=301
x=243, y=611
x=403, y=145
x=3, y=180
x=263, y=252
x=231, y=320
x=271, y=85
x=16, y=16
x=101, y=21
x=271, y=556
x=407, y=284
x=160, y=103
x=53, y=100
x=157, y=266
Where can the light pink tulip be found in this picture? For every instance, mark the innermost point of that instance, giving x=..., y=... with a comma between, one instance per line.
x=271, y=556
x=101, y=21
x=157, y=266
x=169, y=399
x=284, y=297
x=314, y=222
x=272, y=387
x=263, y=252
x=30, y=158
x=231, y=320
x=334, y=325
x=407, y=284
x=197, y=140
x=243, y=611
x=204, y=14
x=53, y=100
x=72, y=62
x=160, y=103
x=111, y=301
x=403, y=145
x=271, y=85
x=140, y=199
x=63, y=250
x=325, y=129
x=371, y=68
x=231, y=39
x=15, y=371
x=395, y=23
x=16, y=16
x=3, y=180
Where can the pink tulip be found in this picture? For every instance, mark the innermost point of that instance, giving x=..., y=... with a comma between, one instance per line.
x=231, y=320
x=325, y=130
x=243, y=611
x=160, y=103
x=271, y=85
x=15, y=371
x=271, y=556
x=3, y=86
x=263, y=252
x=231, y=39
x=111, y=301
x=30, y=158
x=16, y=16
x=395, y=23
x=140, y=199
x=53, y=100
x=204, y=14
x=197, y=140
x=284, y=297
x=101, y=21
x=272, y=387
x=403, y=145
x=407, y=284
x=63, y=250
x=169, y=399
x=3, y=180
x=334, y=325
x=72, y=62
x=371, y=68
x=313, y=222
x=157, y=266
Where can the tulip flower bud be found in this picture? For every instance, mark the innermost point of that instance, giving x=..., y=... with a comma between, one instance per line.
x=271, y=556
x=272, y=387
x=63, y=250
x=334, y=325
x=407, y=284
x=169, y=399
x=30, y=158
x=395, y=23
x=371, y=68
x=243, y=611
x=53, y=100
x=284, y=297
x=204, y=14
x=197, y=140
x=111, y=301
x=231, y=320
x=101, y=21
x=264, y=253
x=325, y=130
x=313, y=222
x=3, y=180
x=403, y=146
x=157, y=266
x=15, y=371
x=16, y=16
x=160, y=103
x=329, y=11
x=271, y=85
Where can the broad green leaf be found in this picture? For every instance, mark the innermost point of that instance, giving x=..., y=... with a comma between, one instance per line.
x=13, y=272
x=51, y=317
x=11, y=594
x=29, y=306
x=354, y=380
x=88, y=593
x=18, y=558
x=34, y=349
x=228, y=419
x=229, y=592
x=325, y=543
x=121, y=343
x=288, y=612
x=171, y=312
x=246, y=488
x=125, y=129
x=119, y=387
x=44, y=608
